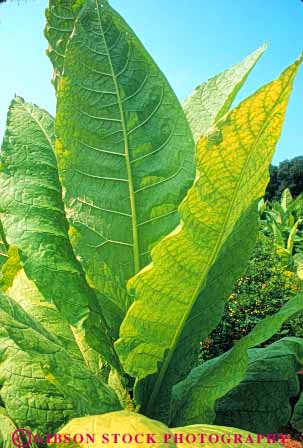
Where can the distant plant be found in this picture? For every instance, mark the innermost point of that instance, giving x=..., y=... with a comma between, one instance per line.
x=261, y=291
x=283, y=221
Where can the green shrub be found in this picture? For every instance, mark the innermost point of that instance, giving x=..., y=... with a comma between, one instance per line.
x=260, y=292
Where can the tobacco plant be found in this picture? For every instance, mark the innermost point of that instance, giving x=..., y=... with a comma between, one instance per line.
x=283, y=221
x=126, y=221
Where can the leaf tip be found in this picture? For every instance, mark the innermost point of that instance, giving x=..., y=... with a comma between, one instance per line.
x=265, y=45
x=300, y=58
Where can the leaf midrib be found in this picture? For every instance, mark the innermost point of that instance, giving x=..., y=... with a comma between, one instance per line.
x=166, y=363
x=126, y=150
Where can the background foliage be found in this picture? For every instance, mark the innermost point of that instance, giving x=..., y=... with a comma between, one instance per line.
x=261, y=291
x=288, y=174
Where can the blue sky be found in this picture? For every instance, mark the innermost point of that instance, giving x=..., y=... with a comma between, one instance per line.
x=191, y=40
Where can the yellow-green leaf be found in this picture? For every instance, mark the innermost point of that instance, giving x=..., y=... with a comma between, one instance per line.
x=48, y=353
x=121, y=422
x=180, y=296
x=212, y=99
x=149, y=433
x=10, y=268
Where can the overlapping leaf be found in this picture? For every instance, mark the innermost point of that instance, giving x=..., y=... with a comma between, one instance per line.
x=297, y=417
x=212, y=99
x=125, y=151
x=87, y=393
x=195, y=397
x=34, y=221
x=24, y=292
x=180, y=296
x=30, y=398
x=261, y=402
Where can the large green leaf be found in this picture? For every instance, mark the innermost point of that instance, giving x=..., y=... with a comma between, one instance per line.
x=34, y=221
x=87, y=393
x=61, y=16
x=195, y=397
x=30, y=398
x=180, y=296
x=261, y=402
x=212, y=99
x=125, y=151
